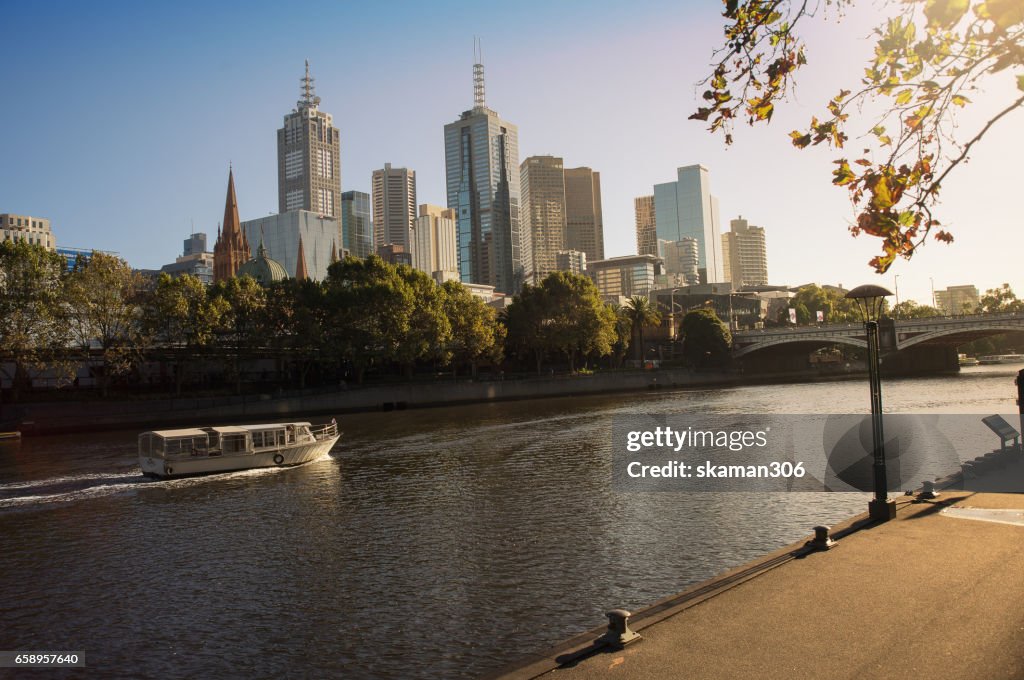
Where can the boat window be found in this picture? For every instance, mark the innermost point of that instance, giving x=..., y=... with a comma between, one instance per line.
x=233, y=443
x=257, y=439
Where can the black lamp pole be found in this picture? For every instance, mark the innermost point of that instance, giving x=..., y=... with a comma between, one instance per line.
x=870, y=299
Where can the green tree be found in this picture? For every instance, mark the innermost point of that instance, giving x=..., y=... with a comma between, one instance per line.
x=296, y=322
x=579, y=323
x=641, y=313
x=526, y=321
x=811, y=299
x=908, y=309
x=429, y=330
x=182, y=319
x=623, y=335
x=1001, y=299
x=33, y=329
x=706, y=339
x=476, y=335
x=244, y=321
x=928, y=58
x=103, y=303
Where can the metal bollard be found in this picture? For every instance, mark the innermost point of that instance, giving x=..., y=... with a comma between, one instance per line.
x=928, y=491
x=619, y=633
x=821, y=540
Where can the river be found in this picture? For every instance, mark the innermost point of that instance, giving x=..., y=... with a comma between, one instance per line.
x=430, y=543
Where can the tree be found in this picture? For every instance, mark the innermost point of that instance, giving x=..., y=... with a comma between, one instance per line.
x=526, y=324
x=640, y=312
x=296, y=318
x=428, y=331
x=1001, y=299
x=908, y=309
x=706, y=339
x=244, y=321
x=103, y=298
x=32, y=324
x=181, y=317
x=811, y=299
x=928, y=58
x=476, y=334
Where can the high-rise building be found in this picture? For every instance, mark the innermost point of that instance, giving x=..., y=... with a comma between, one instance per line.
x=744, y=254
x=542, y=183
x=298, y=240
x=309, y=157
x=394, y=206
x=434, y=243
x=482, y=173
x=394, y=253
x=958, y=299
x=686, y=208
x=232, y=248
x=195, y=260
x=195, y=243
x=681, y=258
x=27, y=228
x=572, y=261
x=584, y=221
x=356, y=223
x=626, y=276
x=646, y=233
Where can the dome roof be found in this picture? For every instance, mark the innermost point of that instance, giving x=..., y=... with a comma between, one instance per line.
x=262, y=268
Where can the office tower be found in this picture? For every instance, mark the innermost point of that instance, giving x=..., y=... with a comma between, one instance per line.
x=195, y=243
x=584, y=222
x=27, y=228
x=681, y=259
x=646, y=234
x=744, y=254
x=686, y=208
x=482, y=173
x=434, y=242
x=542, y=184
x=958, y=299
x=394, y=206
x=626, y=276
x=572, y=261
x=317, y=236
x=309, y=157
x=395, y=253
x=195, y=260
x=232, y=248
x=356, y=223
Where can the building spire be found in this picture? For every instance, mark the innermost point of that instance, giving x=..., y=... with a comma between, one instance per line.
x=309, y=99
x=301, y=273
x=478, y=74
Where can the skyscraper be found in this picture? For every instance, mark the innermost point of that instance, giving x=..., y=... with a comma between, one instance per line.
x=309, y=157
x=584, y=221
x=681, y=259
x=482, y=172
x=232, y=248
x=686, y=208
x=356, y=223
x=434, y=246
x=394, y=206
x=646, y=233
x=542, y=183
x=744, y=254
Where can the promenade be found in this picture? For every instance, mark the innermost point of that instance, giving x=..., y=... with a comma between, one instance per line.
x=929, y=594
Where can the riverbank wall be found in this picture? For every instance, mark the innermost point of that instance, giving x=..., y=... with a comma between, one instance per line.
x=79, y=416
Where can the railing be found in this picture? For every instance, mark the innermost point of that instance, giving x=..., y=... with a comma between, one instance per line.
x=328, y=431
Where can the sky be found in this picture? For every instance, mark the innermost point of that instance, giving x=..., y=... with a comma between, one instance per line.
x=121, y=120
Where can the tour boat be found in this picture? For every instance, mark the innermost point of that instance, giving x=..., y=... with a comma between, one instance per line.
x=200, y=451
x=965, y=360
x=1001, y=359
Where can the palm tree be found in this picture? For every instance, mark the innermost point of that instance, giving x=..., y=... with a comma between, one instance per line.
x=640, y=313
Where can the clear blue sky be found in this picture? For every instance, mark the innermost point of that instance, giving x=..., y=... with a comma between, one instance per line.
x=120, y=120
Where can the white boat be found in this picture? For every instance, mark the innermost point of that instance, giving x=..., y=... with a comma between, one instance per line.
x=1001, y=359
x=965, y=360
x=200, y=451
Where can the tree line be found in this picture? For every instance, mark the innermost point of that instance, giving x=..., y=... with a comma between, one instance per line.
x=366, y=316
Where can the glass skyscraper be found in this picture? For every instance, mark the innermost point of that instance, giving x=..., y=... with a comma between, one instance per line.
x=482, y=173
x=686, y=209
x=356, y=226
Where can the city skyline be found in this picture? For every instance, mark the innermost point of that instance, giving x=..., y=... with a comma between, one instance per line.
x=627, y=74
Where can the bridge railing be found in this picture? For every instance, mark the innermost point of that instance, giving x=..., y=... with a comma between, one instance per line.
x=818, y=329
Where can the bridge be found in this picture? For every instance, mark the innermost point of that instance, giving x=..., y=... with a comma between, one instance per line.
x=894, y=335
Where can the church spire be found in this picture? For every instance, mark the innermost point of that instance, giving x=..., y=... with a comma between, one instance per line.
x=232, y=248
x=301, y=274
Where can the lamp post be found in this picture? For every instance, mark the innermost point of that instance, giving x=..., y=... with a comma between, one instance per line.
x=869, y=299
x=672, y=313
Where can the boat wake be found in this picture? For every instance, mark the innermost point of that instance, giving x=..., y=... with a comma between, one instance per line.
x=94, y=485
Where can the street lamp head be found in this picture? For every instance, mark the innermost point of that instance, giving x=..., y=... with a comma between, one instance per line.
x=869, y=300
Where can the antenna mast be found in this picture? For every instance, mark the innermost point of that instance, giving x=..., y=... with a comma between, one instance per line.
x=309, y=99
x=478, y=74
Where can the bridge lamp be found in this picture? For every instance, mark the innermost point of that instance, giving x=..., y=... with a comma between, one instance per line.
x=870, y=299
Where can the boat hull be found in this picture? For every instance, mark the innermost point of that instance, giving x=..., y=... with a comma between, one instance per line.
x=288, y=456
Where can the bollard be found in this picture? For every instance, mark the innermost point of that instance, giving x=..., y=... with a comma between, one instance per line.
x=619, y=633
x=928, y=492
x=821, y=540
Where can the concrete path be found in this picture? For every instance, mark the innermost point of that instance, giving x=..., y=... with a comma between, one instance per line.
x=926, y=595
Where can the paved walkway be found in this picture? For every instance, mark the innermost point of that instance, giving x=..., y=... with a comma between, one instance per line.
x=926, y=595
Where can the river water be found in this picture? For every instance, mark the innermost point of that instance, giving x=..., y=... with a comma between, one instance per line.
x=430, y=543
